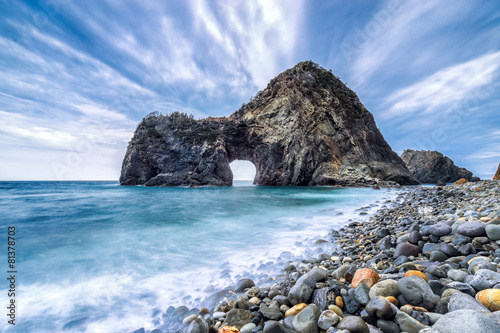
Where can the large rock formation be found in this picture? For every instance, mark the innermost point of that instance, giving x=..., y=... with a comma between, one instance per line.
x=430, y=167
x=497, y=174
x=306, y=128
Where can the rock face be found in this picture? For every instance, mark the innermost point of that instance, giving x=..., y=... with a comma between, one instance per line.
x=306, y=128
x=429, y=167
x=497, y=174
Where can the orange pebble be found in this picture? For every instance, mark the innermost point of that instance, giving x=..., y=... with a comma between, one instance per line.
x=339, y=302
x=229, y=329
x=295, y=309
x=393, y=300
x=365, y=276
x=417, y=273
x=417, y=308
x=490, y=298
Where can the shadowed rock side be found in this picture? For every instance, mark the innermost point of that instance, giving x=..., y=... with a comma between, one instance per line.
x=306, y=128
x=429, y=167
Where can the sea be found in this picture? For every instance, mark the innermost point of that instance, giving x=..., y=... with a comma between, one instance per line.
x=99, y=257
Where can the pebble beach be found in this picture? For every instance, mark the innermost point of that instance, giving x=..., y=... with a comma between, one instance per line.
x=427, y=261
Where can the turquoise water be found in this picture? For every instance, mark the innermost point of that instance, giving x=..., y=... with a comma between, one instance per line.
x=97, y=257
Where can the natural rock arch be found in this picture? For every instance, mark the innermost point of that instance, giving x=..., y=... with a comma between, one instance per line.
x=306, y=128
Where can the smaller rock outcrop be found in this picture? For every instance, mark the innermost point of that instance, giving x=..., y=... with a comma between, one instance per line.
x=431, y=167
x=497, y=174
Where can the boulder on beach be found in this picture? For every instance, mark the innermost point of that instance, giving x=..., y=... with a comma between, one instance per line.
x=430, y=167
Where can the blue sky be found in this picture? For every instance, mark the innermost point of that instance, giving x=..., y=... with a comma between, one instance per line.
x=78, y=76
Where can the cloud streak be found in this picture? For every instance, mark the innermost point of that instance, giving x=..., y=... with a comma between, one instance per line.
x=446, y=88
x=75, y=73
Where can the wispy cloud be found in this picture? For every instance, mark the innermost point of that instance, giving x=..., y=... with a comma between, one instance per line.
x=84, y=72
x=447, y=87
x=389, y=28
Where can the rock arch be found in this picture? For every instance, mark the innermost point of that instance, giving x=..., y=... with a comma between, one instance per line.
x=306, y=128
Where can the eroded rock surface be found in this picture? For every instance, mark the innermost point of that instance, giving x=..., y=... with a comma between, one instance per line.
x=430, y=167
x=306, y=128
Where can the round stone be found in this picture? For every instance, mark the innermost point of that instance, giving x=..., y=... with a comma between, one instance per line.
x=417, y=292
x=336, y=309
x=449, y=250
x=189, y=319
x=365, y=276
x=385, y=288
x=437, y=256
x=248, y=328
x=362, y=294
x=407, y=249
x=490, y=298
x=457, y=275
x=493, y=231
x=353, y=324
x=415, y=237
x=295, y=309
x=464, y=321
x=198, y=325
x=408, y=324
x=307, y=319
x=485, y=279
x=440, y=229
x=393, y=300
x=380, y=307
x=461, y=301
x=388, y=326
x=416, y=273
x=328, y=319
x=472, y=229
x=243, y=284
x=339, y=302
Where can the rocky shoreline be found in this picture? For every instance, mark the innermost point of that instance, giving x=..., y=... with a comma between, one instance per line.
x=427, y=262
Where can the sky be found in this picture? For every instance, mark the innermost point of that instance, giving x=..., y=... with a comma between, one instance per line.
x=78, y=76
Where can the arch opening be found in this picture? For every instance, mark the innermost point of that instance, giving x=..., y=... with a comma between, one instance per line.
x=243, y=172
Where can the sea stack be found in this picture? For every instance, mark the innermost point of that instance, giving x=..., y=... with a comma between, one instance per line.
x=431, y=167
x=305, y=128
x=497, y=174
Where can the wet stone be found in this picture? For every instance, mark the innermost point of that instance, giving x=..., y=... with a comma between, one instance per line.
x=440, y=229
x=485, y=279
x=438, y=256
x=351, y=305
x=328, y=319
x=464, y=321
x=380, y=307
x=417, y=292
x=362, y=294
x=462, y=287
x=449, y=250
x=388, y=326
x=460, y=301
x=353, y=324
x=271, y=313
x=320, y=298
x=472, y=229
x=407, y=249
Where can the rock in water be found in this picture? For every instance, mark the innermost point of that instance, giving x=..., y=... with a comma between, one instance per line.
x=306, y=128
x=429, y=167
x=198, y=326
